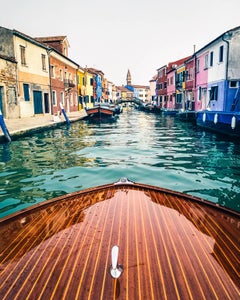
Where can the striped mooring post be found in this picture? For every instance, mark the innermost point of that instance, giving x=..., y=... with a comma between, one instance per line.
x=4, y=128
x=64, y=113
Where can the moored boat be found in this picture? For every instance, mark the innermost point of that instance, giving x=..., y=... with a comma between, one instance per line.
x=100, y=111
x=227, y=123
x=121, y=240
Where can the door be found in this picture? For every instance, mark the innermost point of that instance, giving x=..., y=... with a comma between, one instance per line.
x=37, y=100
x=46, y=103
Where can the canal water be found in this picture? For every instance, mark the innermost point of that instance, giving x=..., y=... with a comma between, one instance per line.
x=147, y=148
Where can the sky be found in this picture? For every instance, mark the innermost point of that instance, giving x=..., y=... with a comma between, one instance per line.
x=114, y=36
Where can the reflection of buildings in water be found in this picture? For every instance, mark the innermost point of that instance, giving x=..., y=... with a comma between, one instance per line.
x=212, y=226
x=42, y=222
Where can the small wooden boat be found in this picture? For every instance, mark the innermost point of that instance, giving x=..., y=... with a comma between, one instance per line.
x=100, y=111
x=122, y=240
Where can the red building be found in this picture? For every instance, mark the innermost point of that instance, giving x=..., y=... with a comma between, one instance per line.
x=63, y=75
x=161, y=87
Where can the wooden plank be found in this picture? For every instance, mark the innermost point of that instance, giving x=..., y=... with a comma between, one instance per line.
x=170, y=247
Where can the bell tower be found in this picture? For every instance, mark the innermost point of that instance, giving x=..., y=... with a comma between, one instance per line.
x=129, y=78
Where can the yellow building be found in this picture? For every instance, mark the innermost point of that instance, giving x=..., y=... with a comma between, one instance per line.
x=180, y=87
x=33, y=75
x=81, y=87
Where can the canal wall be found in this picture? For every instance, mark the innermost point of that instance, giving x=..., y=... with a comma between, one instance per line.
x=29, y=125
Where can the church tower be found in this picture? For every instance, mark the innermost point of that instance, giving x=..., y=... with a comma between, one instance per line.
x=129, y=78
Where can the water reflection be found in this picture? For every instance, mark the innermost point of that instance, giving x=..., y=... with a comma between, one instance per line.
x=152, y=149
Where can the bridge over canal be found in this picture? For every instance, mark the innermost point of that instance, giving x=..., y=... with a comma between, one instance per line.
x=133, y=100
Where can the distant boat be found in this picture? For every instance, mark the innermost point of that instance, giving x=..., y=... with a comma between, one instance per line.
x=149, y=107
x=171, y=112
x=122, y=240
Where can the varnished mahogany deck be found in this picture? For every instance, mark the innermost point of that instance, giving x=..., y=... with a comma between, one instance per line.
x=171, y=246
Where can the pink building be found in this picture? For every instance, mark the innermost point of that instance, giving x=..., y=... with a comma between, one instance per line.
x=171, y=82
x=171, y=87
x=190, y=83
x=201, y=81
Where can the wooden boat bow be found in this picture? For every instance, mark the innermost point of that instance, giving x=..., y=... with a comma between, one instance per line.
x=171, y=246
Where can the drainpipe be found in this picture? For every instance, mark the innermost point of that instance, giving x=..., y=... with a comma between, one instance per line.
x=50, y=83
x=195, y=76
x=17, y=90
x=226, y=74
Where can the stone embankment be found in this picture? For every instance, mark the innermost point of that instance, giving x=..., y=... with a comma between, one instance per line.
x=26, y=126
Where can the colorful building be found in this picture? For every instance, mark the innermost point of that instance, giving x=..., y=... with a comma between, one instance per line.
x=161, y=87
x=33, y=83
x=63, y=74
x=140, y=92
x=221, y=64
x=81, y=87
x=153, y=86
x=190, y=83
x=8, y=87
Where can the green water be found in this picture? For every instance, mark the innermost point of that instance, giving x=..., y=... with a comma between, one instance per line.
x=147, y=148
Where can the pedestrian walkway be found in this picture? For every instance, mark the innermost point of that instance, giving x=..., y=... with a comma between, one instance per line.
x=25, y=126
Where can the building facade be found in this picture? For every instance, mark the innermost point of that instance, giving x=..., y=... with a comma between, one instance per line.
x=8, y=88
x=63, y=74
x=161, y=86
x=33, y=81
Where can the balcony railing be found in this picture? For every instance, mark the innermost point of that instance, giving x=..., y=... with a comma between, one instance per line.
x=68, y=83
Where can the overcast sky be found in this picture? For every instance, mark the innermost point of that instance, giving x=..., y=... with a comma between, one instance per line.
x=114, y=36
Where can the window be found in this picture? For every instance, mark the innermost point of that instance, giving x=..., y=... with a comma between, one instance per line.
x=198, y=66
x=44, y=62
x=61, y=74
x=62, y=98
x=23, y=55
x=211, y=59
x=213, y=93
x=206, y=61
x=86, y=99
x=54, y=98
x=199, y=93
x=233, y=84
x=179, y=98
x=52, y=71
x=221, y=54
x=26, y=92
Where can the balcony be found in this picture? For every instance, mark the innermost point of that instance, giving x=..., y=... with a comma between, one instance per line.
x=68, y=83
x=179, y=85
